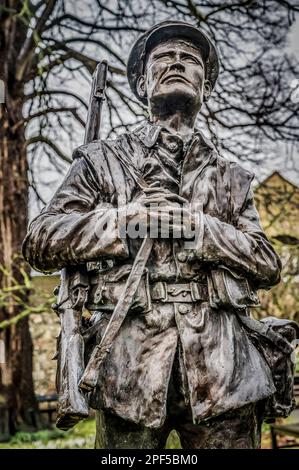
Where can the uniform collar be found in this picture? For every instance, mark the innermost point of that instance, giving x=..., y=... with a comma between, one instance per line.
x=148, y=133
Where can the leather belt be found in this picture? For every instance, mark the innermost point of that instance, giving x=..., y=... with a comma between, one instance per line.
x=104, y=294
x=185, y=292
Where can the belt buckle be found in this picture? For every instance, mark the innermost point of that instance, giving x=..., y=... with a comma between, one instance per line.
x=178, y=292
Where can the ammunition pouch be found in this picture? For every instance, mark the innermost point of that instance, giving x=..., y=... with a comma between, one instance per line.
x=107, y=287
x=229, y=289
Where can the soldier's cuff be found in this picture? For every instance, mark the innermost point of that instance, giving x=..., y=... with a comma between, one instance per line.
x=110, y=234
x=194, y=246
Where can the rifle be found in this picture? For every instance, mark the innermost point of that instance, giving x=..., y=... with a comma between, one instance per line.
x=72, y=295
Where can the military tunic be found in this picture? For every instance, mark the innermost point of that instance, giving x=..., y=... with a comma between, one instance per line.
x=221, y=368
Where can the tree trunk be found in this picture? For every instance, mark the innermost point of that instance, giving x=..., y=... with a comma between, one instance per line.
x=18, y=408
x=17, y=399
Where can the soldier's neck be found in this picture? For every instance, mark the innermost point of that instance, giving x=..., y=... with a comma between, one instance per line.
x=178, y=123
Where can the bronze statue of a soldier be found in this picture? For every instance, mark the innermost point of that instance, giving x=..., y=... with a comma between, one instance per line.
x=187, y=356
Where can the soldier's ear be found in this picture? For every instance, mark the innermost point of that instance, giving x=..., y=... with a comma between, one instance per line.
x=141, y=89
x=207, y=90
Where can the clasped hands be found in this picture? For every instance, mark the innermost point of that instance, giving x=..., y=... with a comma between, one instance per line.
x=160, y=213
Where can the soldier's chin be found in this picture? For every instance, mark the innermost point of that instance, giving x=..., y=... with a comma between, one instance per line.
x=179, y=99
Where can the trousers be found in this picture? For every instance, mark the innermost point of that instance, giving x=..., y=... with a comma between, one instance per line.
x=236, y=429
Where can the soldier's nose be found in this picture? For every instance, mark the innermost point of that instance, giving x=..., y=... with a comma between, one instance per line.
x=177, y=65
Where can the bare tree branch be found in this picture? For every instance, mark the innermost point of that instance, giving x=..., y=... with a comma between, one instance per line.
x=54, y=92
x=46, y=140
x=27, y=51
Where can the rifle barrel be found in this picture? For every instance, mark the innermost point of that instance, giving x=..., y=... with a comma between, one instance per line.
x=97, y=96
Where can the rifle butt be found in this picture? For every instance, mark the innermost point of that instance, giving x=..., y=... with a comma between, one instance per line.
x=72, y=403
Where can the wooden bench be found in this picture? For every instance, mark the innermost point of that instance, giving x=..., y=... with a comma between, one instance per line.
x=289, y=429
x=47, y=405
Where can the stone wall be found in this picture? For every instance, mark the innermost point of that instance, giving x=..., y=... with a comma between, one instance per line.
x=44, y=328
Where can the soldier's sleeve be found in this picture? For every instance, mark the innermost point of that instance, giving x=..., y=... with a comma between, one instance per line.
x=76, y=226
x=243, y=247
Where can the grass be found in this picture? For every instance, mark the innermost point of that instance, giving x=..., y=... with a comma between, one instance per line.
x=82, y=437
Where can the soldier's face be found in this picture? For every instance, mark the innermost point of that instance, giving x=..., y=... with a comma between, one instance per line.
x=175, y=74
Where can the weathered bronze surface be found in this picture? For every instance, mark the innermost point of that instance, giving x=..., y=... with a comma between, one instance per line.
x=186, y=355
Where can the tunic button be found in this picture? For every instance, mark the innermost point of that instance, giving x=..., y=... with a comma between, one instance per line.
x=182, y=257
x=184, y=309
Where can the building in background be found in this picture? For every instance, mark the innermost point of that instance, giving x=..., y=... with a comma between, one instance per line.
x=277, y=201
